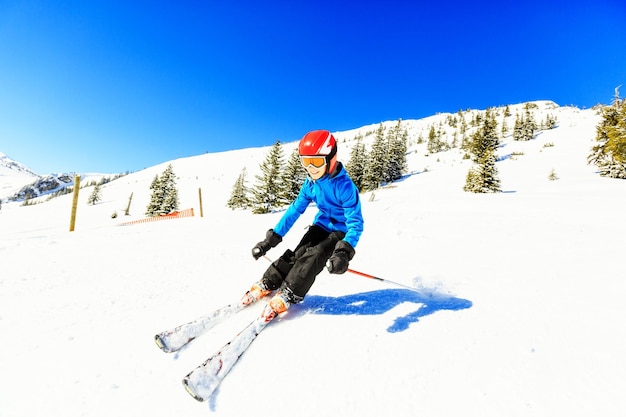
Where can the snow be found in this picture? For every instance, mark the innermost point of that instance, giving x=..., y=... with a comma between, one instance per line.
x=517, y=308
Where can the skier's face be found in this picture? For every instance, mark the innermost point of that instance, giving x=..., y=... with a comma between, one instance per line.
x=315, y=165
x=316, y=173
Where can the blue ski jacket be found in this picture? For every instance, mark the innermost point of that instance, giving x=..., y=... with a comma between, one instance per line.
x=337, y=199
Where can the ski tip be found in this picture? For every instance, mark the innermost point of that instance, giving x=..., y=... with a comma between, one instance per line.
x=190, y=390
x=161, y=343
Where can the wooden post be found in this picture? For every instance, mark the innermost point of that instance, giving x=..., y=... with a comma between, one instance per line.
x=200, y=197
x=128, y=207
x=74, y=202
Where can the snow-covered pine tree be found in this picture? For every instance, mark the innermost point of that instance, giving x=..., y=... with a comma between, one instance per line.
x=170, y=192
x=463, y=128
x=164, y=197
x=156, y=198
x=609, y=154
x=530, y=125
x=376, y=161
x=292, y=178
x=617, y=136
x=524, y=128
x=239, y=195
x=486, y=137
x=517, y=128
x=356, y=165
x=483, y=177
x=434, y=144
x=465, y=140
x=505, y=127
x=269, y=187
x=550, y=122
x=95, y=196
x=396, y=152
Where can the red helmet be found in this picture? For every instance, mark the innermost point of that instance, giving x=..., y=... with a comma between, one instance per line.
x=320, y=143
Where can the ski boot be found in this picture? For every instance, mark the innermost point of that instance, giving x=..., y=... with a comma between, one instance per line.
x=256, y=292
x=280, y=302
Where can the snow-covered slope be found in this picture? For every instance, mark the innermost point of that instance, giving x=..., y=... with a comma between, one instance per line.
x=517, y=309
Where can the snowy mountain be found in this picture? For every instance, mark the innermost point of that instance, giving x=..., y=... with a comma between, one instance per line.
x=43, y=186
x=13, y=175
x=517, y=308
x=9, y=167
x=18, y=183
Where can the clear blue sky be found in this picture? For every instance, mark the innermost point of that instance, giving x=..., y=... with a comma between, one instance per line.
x=118, y=85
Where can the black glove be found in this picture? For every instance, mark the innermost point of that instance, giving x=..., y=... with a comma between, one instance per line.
x=341, y=257
x=271, y=240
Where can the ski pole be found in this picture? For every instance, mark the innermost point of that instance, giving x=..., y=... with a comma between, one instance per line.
x=363, y=274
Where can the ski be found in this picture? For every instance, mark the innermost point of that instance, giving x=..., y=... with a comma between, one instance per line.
x=204, y=380
x=175, y=339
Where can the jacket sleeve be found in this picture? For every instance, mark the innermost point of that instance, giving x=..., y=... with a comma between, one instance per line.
x=352, y=212
x=295, y=209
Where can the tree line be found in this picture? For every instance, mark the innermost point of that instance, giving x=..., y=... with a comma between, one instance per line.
x=281, y=177
x=483, y=175
x=279, y=183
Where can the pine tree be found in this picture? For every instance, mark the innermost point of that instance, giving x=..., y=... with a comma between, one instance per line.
x=376, y=161
x=396, y=153
x=486, y=137
x=292, y=178
x=266, y=195
x=239, y=195
x=550, y=122
x=483, y=177
x=95, y=196
x=463, y=123
x=435, y=144
x=609, y=154
x=616, y=145
x=505, y=127
x=170, y=192
x=530, y=125
x=356, y=165
x=164, y=197
x=525, y=126
x=156, y=197
x=518, y=131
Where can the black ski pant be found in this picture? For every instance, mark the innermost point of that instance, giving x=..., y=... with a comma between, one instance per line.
x=298, y=269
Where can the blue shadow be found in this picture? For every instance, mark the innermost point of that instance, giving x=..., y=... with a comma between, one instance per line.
x=379, y=302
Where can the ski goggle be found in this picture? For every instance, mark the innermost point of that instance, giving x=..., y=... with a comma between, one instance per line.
x=316, y=161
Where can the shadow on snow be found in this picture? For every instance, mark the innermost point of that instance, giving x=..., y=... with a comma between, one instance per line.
x=374, y=303
x=379, y=302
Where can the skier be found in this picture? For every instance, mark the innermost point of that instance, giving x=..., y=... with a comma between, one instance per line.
x=329, y=242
